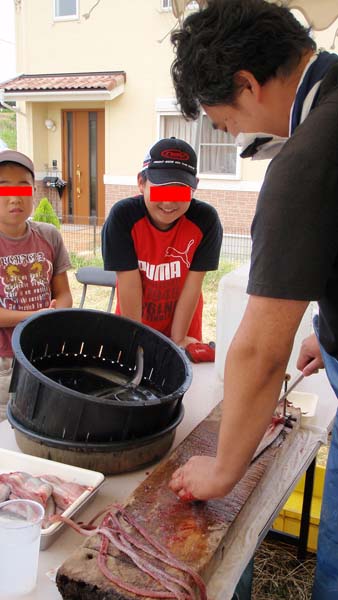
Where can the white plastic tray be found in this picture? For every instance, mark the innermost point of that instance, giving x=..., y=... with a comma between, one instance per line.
x=306, y=401
x=16, y=461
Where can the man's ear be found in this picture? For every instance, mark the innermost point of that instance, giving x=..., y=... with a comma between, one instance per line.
x=245, y=80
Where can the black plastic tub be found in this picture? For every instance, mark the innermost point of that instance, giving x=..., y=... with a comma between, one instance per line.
x=58, y=347
x=110, y=458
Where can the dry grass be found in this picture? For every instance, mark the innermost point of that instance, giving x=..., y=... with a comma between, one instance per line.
x=96, y=298
x=279, y=575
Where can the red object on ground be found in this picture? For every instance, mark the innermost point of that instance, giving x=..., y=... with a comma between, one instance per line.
x=170, y=193
x=200, y=352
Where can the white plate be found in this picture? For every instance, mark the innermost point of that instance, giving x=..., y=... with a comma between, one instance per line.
x=17, y=461
x=306, y=401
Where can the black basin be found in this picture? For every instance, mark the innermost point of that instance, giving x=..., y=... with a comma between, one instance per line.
x=55, y=393
x=108, y=458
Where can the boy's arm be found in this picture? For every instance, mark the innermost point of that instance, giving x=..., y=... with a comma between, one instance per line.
x=130, y=294
x=10, y=318
x=186, y=306
x=60, y=291
x=61, y=298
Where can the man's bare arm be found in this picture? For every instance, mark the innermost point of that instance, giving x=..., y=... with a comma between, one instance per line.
x=254, y=371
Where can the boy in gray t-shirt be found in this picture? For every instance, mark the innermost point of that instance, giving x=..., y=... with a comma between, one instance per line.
x=33, y=260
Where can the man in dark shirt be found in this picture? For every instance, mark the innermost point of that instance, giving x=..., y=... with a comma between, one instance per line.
x=256, y=72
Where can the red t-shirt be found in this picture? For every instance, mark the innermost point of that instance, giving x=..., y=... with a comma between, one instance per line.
x=164, y=258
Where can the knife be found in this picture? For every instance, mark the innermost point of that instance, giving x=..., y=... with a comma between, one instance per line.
x=283, y=398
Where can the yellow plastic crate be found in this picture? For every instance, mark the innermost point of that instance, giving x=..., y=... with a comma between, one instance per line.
x=288, y=520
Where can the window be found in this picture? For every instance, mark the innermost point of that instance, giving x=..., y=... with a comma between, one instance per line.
x=167, y=5
x=218, y=156
x=65, y=10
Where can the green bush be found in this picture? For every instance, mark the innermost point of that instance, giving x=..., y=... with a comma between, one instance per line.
x=45, y=213
x=8, y=128
x=84, y=261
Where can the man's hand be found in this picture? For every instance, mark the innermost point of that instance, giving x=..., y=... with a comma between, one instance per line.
x=310, y=359
x=200, y=478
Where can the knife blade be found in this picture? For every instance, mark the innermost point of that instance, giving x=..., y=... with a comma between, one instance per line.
x=283, y=398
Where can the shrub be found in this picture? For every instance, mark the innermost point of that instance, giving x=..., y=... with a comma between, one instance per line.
x=79, y=261
x=8, y=128
x=45, y=213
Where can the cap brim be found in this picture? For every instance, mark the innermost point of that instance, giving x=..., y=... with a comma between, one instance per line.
x=164, y=176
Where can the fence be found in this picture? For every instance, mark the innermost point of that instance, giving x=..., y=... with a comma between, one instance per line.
x=84, y=239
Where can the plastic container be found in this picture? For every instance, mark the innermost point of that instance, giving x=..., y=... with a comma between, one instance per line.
x=67, y=343
x=16, y=461
x=108, y=458
x=20, y=530
x=231, y=305
x=306, y=401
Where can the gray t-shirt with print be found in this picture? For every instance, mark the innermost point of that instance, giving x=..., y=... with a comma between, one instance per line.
x=27, y=267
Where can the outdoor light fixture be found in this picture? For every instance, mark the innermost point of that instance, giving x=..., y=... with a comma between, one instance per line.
x=50, y=124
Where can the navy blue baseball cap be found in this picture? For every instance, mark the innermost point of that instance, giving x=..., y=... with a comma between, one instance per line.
x=171, y=160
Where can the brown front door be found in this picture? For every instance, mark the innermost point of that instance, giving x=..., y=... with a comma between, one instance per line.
x=83, y=165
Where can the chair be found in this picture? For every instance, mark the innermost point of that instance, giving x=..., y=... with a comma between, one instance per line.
x=96, y=276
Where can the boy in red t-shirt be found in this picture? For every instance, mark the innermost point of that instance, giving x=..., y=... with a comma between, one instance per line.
x=33, y=260
x=161, y=249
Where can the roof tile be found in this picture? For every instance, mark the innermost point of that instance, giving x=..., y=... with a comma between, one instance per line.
x=65, y=82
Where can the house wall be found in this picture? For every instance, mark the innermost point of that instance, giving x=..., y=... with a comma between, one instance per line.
x=235, y=208
x=119, y=35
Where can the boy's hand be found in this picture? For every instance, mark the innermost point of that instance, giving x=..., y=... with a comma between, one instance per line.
x=186, y=341
x=50, y=307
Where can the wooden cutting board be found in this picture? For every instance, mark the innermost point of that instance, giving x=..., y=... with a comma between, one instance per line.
x=194, y=532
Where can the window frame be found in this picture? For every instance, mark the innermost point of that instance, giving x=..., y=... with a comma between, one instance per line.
x=167, y=108
x=74, y=17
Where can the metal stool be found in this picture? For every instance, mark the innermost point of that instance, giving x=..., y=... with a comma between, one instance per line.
x=96, y=276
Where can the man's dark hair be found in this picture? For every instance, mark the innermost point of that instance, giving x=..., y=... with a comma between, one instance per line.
x=227, y=36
